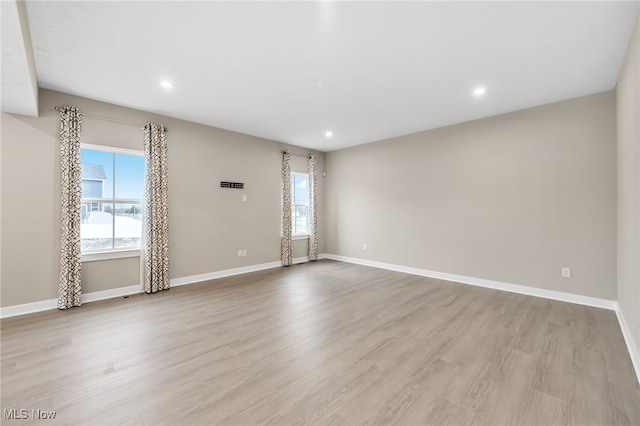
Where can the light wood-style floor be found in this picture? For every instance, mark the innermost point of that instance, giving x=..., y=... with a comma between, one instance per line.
x=322, y=343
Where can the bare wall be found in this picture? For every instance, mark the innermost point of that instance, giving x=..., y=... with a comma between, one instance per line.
x=511, y=198
x=628, y=125
x=208, y=224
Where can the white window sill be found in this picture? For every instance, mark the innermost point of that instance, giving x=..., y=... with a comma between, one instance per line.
x=106, y=255
x=300, y=237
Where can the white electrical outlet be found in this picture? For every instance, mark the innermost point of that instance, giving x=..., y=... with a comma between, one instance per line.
x=244, y=197
x=364, y=247
x=239, y=253
x=566, y=272
x=244, y=252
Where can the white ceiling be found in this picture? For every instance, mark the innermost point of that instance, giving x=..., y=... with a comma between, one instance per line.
x=290, y=71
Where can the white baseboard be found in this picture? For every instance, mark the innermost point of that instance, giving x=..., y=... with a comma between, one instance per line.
x=45, y=305
x=191, y=279
x=28, y=308
x=109, y=294
x=302, y=259
x=480, y=282
x=630, y=341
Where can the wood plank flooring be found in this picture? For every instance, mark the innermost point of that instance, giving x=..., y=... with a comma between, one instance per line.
x=324, y=343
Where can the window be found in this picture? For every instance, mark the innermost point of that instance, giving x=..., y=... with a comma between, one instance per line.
x=112, y=196
x=299, y=203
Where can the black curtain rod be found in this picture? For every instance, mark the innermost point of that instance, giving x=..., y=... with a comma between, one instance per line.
x=111, y=119
x=299, y=155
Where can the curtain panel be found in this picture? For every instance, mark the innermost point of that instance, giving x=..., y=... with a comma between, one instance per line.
x=312, y=213
x=69, y=283
x=286, y=210
x=156, y=210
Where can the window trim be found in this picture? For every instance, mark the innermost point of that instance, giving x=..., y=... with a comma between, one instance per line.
x=112, y=253
x=115, y=149
x=109, y=254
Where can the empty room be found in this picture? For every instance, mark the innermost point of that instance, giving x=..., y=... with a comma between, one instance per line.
x=320, y=212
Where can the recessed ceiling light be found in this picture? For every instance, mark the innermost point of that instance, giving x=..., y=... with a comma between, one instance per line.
x=479, y=91
x=166, y=84
x=328, y=133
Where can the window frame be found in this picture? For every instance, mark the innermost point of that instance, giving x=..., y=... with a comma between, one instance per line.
x=304, y=235
x=112, y=253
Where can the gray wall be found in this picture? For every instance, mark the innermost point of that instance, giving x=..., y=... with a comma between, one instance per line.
x=511, y=198
x=628, y=120
x=208, y=224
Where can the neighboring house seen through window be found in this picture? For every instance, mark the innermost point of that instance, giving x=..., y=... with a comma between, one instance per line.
x=299, y=203
x=112, y=197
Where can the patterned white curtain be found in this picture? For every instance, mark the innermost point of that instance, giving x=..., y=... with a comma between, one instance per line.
x=156, y=217
x=312, y=215
x=286, y=210
x=69, y=283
